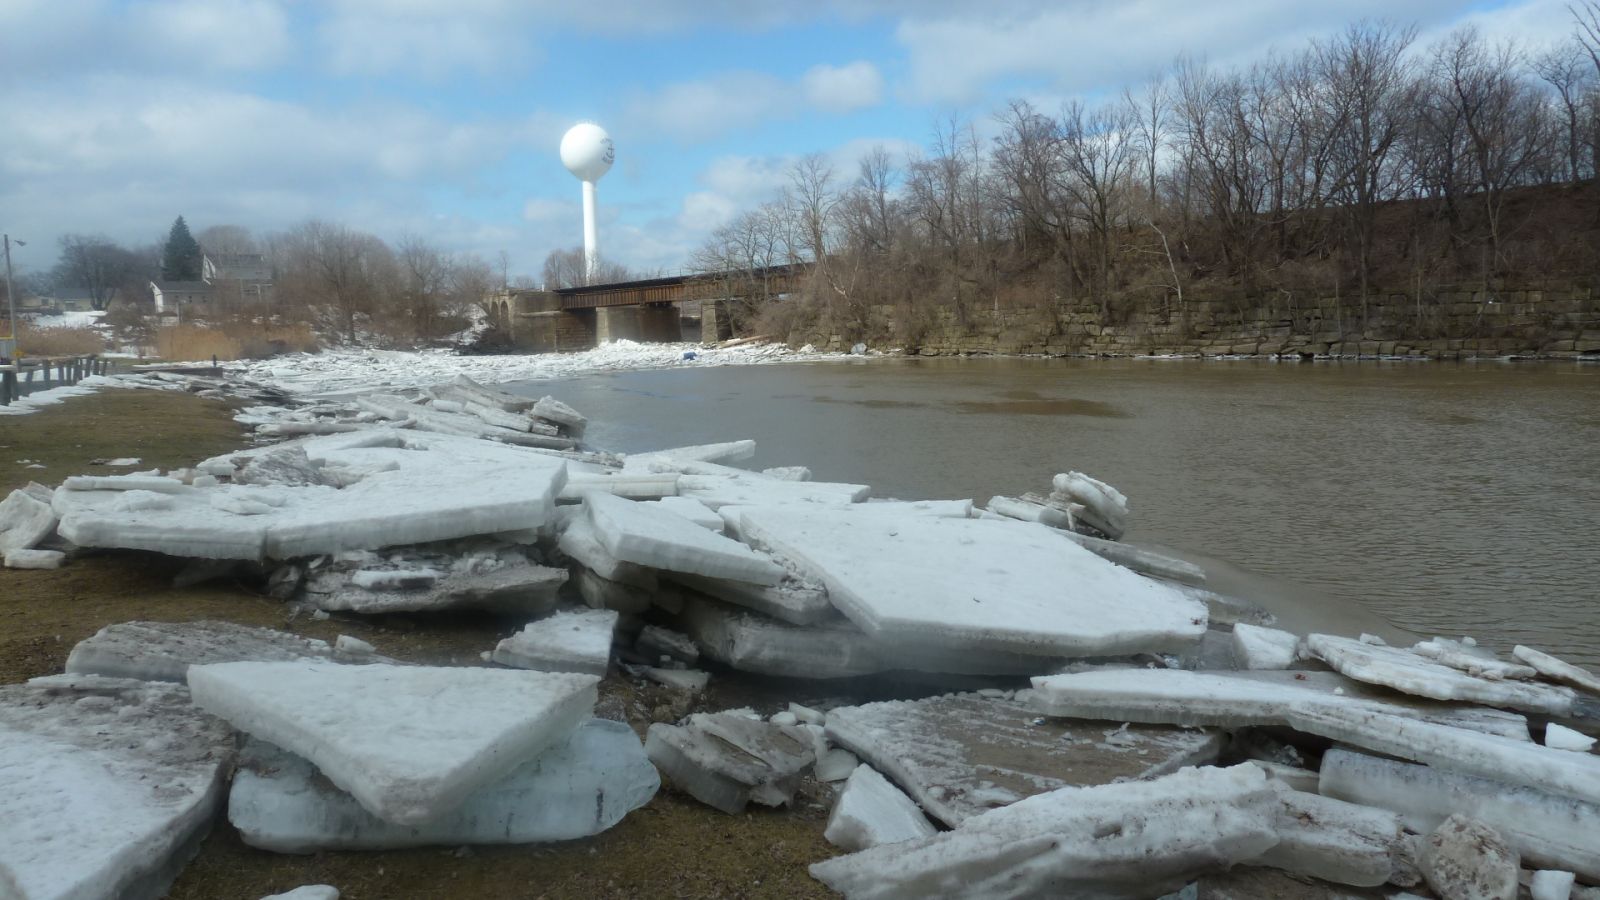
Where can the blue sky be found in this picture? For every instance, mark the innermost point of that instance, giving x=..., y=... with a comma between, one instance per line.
x=442, y=117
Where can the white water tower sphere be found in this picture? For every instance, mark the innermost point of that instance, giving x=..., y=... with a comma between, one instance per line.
x=587, y=152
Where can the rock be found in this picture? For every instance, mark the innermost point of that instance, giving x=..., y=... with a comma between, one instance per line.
x=961, y=755
x=1464, y=859
x=1264, y=648
x=110, y=786
x=650, y=536
x=577, y=641
x=725, y=760
x=164, y=651
x=871, y=811
x=579, y=787
x=970, y=584
x=409, y=742
x=1130, y=840
x=1552, y=831
x=25, y=520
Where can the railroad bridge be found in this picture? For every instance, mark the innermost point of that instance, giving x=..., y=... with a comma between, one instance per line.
x=649, y=310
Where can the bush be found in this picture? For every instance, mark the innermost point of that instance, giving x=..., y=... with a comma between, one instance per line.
x=35, y=341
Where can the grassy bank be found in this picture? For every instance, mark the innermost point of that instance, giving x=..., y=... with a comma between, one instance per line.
x=674, y=847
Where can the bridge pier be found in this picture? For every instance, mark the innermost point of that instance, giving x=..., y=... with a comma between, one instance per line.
x=655, y=323
x=715, y=326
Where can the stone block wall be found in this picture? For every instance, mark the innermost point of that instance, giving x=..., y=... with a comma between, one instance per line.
x=1543, y=320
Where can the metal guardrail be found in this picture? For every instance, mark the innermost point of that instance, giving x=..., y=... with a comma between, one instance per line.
x=18, y=378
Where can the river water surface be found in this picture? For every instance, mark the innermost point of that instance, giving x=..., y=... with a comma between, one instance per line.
x=1457, y=499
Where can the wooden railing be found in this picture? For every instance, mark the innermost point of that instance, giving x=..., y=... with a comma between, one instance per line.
x=19, y=378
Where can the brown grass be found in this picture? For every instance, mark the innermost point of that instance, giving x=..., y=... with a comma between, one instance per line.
x=232, y=340
x=36, y=341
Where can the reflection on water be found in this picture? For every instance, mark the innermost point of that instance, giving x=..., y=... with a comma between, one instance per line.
x=1457, y=499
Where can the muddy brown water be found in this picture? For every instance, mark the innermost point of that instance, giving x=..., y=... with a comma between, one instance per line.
x=1457, y=499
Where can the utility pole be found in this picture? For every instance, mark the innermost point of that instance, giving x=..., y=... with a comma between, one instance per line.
x=11, y=299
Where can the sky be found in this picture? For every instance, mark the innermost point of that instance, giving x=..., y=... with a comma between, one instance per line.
x=442, y=118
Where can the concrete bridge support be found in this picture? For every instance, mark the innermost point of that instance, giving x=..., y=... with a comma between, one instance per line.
x=651, y=323
x=715, y=325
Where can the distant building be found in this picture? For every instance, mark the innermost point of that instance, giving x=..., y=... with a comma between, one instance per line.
x=182, y=298
x=250, y=268
x=71, y=299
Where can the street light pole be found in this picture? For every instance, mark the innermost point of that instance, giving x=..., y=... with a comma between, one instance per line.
x=11, y=297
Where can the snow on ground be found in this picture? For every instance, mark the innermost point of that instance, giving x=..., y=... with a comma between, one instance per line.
x=338, y=371
x=86, y=319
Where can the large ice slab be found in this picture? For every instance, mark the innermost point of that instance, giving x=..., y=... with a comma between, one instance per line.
x=752, y=643
x=164, y=651
x=962, y=755
x=1130, y=840
x=791, y=600
x=110, y=785
x=25, y=520
x=871, y=811
x=1414, y=674
x=409, y=743
x=726, y=760
x=504, y=582
x=979, y=584
x=724, y=452
x=1239, y=699
x=651, y=536
x=421, y=488
x=1549, y=830
x=574, y=641
x=1336, y=841
x=579, y=787
x=578, y=541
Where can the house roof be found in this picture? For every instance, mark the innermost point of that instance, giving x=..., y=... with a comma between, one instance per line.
x=195, y=287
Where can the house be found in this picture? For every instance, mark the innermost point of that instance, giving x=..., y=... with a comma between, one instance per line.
x=78, y=299
x=250, y=268
x=182, y=298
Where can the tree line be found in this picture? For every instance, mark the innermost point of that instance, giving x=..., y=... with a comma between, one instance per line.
x=342, y=281
x=1358, y=164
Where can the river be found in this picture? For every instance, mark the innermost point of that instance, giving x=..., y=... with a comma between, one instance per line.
x=1456, y=499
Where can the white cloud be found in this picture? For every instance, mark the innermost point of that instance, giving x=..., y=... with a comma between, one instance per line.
x=431, y=40
x=842, y=89
x=693, y=111
x=218, y=34
x=1085, y=46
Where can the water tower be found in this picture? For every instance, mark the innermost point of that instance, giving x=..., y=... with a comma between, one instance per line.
x=587, y=152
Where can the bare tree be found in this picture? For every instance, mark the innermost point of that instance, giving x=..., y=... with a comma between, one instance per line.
x=227, y=240
x=96, y=263
x=567, y=269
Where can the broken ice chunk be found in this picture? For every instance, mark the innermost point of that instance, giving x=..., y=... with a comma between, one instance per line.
x=791, y=600
x=33, y=559
x=577, y=641
x=307, y=892
x=25, y=520
x=655, y=642
x=694, y=511
x=1557, y=669
x=751, y=643
x=959, y=755
x=725, y=760
x=110, y=785
x=971, y=584
x=578, y=787
x=1548, y=830
x=728, y=451
x=1473, y=660
x=164, y=651
x=692, y=680
x=1105, y=508
x=1560, y=737
x=651, y=536
x=507, y=584
x=1130, y=840
x=1413, y=674
x=1264, y=648
x=1548, y=884
x=871, y=811
x=835, y=765
x=1336, y=841
x=579, y=542
x=409, y=743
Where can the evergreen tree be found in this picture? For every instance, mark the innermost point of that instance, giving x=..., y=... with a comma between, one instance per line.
x=180, y=260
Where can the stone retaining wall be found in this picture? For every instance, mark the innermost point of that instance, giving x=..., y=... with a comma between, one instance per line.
x=1557, y=321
